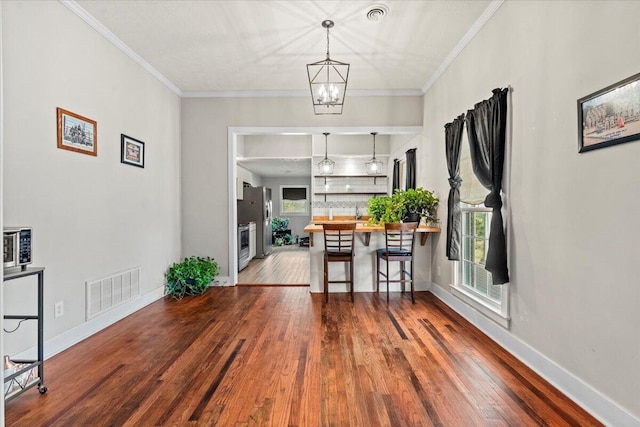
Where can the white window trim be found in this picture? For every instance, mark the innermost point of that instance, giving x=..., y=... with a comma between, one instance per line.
x=306, y=205
x=499, y=313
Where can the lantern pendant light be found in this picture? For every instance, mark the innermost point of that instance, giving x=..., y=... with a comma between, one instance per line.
x=374, y=166
x=328, y=81
x=326, y=165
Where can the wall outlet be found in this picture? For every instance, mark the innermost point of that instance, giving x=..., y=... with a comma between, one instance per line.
x=58, y=309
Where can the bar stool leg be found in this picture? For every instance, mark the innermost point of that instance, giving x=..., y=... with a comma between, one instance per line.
x=402, y=277
x=387, y=278
x=351, y=264
x=413, y=299
x=326, y=279
x=377, y=273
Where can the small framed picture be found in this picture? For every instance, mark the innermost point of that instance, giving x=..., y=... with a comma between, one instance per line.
x=610, y=116
x=77, y=133
x=131, y=151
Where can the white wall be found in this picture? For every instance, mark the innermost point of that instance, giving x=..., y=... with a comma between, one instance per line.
x=92, y=216
x=205, y=124
x=575, y=293
x=275, y=146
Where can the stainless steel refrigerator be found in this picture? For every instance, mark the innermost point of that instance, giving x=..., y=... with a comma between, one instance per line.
x=256, y=206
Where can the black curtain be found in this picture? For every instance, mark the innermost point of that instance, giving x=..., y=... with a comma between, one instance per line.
x=453, y=144
x=411, y=168
x=396, y=175
x=486, y=127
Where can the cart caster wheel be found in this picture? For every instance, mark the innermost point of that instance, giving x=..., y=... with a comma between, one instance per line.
x=42, y=389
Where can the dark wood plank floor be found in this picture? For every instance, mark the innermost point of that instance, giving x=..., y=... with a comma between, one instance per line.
x=245, y=356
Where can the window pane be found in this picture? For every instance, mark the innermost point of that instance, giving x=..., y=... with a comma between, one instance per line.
x=294, y=206
x=482, y=280
x=495, y=292
x=479, y=251
x=480, y=221
x=467, y=248
x=467, y=278
x=294, y=193
x=466, y=223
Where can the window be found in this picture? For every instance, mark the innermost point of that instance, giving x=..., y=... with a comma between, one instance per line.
x=294, y=200
x=475, y=242
x=472, y=283
x=403, y=173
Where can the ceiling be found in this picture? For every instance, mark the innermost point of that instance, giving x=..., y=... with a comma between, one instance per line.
x=250, y=45
x=261, y=48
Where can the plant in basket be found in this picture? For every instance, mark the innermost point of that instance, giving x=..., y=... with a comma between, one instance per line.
x=191, y=276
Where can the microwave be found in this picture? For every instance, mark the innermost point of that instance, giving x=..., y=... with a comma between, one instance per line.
x=17, y=249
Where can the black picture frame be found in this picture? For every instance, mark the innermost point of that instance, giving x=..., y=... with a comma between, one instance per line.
x=610, y=116
x=131, y=151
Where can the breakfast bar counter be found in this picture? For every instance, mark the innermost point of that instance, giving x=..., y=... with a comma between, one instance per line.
x=369, y=238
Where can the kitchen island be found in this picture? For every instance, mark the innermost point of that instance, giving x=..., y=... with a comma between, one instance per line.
x=369, y=238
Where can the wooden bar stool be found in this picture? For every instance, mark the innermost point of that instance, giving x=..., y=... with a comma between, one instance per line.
x=338, y=247
x=399, y=246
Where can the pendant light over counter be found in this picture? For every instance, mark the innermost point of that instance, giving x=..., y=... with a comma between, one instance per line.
x=374, y=166
x=326, y=166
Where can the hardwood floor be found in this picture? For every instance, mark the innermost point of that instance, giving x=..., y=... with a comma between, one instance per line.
x=286, y=265
x=252, y=356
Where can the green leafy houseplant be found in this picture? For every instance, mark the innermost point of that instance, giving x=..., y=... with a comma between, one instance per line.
x=191, y=276
x=385, y=209
x=377, y=208
x=279, y=224
x=419, y=202
x=398, y=207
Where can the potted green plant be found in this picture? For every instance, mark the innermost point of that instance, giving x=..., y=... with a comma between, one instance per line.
x=404, y=205
x=191, y=276
x=385, y=209
x=377, y=208
x=419, y=203
x=279, y=224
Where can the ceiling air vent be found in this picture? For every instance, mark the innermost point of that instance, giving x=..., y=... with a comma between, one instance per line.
x=377, y=12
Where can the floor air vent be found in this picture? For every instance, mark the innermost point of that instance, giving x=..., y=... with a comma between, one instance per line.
x=107, y=293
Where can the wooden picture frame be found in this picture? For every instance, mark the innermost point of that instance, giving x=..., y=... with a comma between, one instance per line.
x=610, y=116
x=131, y=151
x=77, y=133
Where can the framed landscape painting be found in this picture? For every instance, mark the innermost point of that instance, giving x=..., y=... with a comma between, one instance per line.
x=77, y=133
x=610, y=116
x=131, y=151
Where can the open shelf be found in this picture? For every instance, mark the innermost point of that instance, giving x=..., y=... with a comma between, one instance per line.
x=355, y=193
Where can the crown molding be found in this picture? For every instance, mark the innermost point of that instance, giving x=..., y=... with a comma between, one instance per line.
x=104, y=32
x=292, y=93
x=464, y=41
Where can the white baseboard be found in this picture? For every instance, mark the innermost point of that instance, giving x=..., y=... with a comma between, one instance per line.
x=597, y=404
x=74, y=335
x=222, y=281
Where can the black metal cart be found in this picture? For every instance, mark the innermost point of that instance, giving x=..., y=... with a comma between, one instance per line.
x=28, y=365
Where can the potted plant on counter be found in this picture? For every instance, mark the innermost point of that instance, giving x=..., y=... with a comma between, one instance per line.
x=419, y=203
x=404, y=205
x=191, y=276
x=385, y=209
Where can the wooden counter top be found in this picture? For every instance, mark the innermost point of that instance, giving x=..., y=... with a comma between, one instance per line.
x=363, y=227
